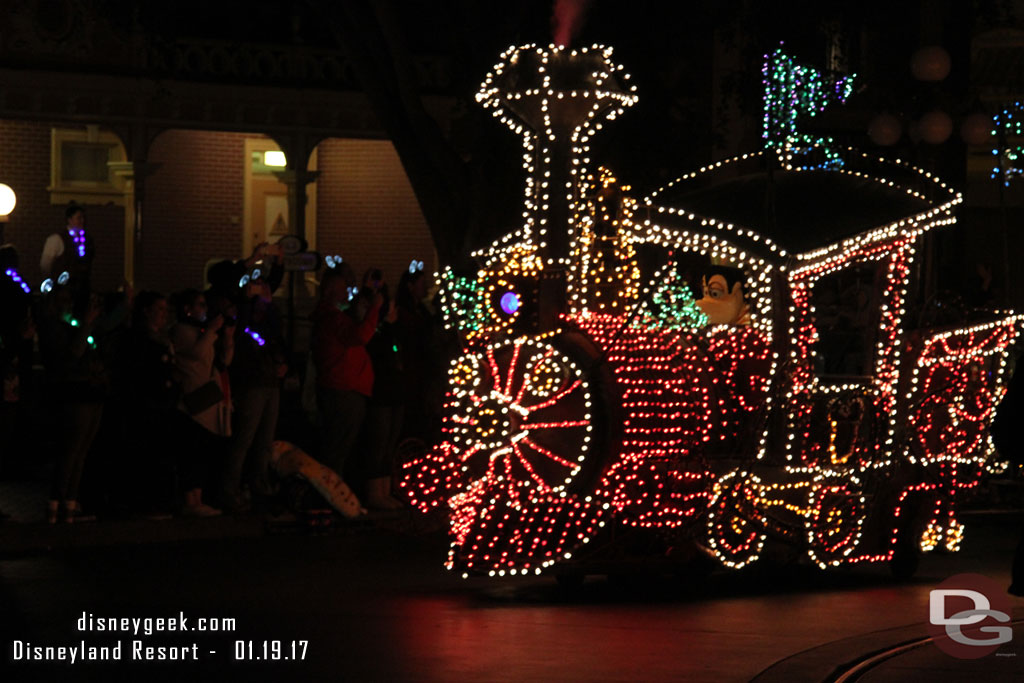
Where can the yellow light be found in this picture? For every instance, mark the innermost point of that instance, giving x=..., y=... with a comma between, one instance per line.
x=7, y=200
x=274, y=158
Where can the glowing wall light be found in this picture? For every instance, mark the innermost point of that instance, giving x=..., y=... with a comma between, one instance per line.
x=275, y=158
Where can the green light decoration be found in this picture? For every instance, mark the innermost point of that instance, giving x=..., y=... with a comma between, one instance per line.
x=792, y=91
x=1006, y=124
x=465, y=303
x=672, y=307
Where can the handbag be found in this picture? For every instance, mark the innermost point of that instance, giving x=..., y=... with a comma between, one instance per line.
x=203, y=398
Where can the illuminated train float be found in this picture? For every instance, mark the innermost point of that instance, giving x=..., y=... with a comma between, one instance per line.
x=791, y=407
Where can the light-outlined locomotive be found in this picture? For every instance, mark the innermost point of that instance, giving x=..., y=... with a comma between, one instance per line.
x=794, y=403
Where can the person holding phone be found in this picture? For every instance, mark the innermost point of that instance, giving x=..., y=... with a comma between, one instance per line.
x=204, y=348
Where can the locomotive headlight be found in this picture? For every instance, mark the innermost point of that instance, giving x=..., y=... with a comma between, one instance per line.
x=510, y=302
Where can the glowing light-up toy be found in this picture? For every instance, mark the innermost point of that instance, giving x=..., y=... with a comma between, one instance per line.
x=260, y=341
x=78, y=236
x=13, y=275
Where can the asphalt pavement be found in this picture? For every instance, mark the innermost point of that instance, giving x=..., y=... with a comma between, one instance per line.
x=371, y=601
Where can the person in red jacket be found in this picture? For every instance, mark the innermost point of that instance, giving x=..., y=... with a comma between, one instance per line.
x=344, y=372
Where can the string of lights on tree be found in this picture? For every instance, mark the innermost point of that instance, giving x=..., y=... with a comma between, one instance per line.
x=634, y=411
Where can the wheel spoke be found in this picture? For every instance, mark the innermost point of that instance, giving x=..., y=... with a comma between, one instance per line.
x=548, y=454
x=494, y=368
x=557, y=425
x=512, y=369
x=554, y=399
x=544, y=488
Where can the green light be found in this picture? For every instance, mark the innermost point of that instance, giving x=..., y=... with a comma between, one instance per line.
x=1006, y=124
x=791, y=91
x=466, y=303
x=672, y=307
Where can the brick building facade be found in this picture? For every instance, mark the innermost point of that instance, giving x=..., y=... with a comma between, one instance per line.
x=193, y=207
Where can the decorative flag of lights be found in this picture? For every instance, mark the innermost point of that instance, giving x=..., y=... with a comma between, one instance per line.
x=635, y=412
x=792, y=91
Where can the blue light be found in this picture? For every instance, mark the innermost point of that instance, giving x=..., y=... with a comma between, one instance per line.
x=510, y=302
x=255, y=336
x=13, y=274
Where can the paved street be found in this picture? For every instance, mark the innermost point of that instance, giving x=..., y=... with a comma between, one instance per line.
x=376, y=604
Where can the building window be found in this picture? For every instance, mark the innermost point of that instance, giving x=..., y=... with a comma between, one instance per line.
x=82, y=162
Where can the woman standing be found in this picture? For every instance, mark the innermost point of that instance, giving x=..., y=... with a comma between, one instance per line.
x=204, y=350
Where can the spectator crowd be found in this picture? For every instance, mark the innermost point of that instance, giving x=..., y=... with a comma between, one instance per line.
x=157, y=404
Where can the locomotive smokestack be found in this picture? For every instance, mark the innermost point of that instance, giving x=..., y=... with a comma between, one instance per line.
x=556, y=99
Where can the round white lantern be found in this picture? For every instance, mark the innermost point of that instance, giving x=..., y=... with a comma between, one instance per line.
x=7, y=199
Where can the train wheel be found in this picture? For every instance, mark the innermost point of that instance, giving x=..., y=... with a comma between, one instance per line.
x=734, y=533
x=520, y=417
x=834, y=525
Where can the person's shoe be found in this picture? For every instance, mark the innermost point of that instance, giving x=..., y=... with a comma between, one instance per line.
x=200, y=510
